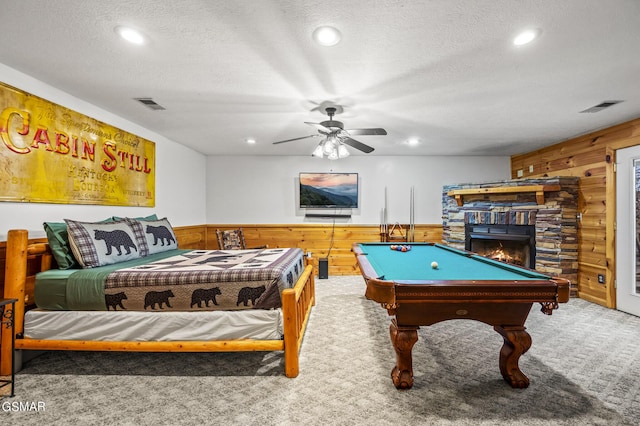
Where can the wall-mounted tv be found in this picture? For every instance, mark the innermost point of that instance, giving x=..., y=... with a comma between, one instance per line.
x=328, y=190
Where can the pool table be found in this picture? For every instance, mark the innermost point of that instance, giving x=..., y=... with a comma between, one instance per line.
x=463, y=285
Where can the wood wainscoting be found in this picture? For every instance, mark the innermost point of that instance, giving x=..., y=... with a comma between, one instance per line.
x=592, y=158
x=322, y=240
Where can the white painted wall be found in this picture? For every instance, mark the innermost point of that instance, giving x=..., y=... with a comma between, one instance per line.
x=260, y=190
x=180, y=173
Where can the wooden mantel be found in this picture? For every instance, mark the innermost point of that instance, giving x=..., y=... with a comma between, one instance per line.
x=538, y=189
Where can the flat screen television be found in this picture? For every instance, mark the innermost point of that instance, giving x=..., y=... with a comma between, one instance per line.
x=328, y=190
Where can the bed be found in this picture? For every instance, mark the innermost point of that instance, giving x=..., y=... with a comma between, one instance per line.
x=202, y=319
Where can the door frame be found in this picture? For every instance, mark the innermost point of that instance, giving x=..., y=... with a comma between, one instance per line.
x=626, y=247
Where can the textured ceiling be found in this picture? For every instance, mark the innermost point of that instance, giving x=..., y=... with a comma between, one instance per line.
x=442, y=71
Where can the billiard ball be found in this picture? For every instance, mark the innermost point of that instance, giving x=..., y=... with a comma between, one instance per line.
x=434, y=265
x=393, y=246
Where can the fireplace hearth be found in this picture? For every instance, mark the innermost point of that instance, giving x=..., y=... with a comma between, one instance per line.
x=515, y=244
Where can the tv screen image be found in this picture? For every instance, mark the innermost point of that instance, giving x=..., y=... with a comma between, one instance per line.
x=328, y=190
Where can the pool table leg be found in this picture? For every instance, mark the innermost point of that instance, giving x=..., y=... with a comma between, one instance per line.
x=516, y=342
x=403, y=339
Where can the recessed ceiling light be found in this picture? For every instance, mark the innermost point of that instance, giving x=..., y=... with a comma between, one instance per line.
x=131, y=35
x=413, y=141
x=326, y=36
x=250, y=141
x=526, y=37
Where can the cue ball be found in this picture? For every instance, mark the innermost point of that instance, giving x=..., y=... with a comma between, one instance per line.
x=434, y=265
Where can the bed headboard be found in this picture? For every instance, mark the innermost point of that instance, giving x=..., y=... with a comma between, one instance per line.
x=24, y=259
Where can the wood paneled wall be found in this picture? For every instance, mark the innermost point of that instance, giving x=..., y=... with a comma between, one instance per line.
x=322, y=240
x=314, y=238
x=592, y=158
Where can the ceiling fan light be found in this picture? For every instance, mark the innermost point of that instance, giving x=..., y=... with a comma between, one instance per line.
x=329, y=147
x=317, y=152
x=333, y=155
x=343, y=152
x=326, y=36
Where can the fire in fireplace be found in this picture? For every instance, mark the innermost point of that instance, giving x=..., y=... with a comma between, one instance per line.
x=515, y=244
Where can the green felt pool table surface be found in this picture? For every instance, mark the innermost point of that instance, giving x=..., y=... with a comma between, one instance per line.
x=453, y=264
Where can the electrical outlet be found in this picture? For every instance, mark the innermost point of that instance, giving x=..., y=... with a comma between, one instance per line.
x=520, y=173
x=601, y=278
x=531, y=168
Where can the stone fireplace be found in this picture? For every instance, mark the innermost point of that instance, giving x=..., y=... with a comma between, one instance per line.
x=528, y=222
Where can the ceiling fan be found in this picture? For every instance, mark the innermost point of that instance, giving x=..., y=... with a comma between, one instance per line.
x=335, y=135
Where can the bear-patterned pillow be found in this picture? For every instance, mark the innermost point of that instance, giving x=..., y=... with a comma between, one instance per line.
x=99, y=243
x=158, y=234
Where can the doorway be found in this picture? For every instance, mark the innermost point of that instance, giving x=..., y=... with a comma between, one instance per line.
x=627, y=230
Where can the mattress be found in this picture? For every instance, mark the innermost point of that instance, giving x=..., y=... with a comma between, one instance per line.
x=142, y=326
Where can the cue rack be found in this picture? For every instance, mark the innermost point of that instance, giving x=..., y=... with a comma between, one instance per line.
x=388, y=234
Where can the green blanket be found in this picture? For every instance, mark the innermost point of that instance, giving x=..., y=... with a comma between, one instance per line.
x=83, y=289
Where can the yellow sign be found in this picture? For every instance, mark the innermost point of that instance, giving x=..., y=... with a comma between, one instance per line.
x=51, y=154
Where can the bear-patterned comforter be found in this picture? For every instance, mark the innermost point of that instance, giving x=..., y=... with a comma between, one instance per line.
x=193, y=280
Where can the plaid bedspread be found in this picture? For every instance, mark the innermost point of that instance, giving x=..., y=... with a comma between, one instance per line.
x=206, y=280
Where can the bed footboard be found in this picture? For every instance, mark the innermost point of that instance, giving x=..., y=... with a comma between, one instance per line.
x=296, y=308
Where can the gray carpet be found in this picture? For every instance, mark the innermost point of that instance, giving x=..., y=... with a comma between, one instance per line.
x=584, y=367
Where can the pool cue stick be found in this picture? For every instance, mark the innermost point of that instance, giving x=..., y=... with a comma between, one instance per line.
x=411, y=216
x=384, y=214
x=411, y=213
x=386, y=218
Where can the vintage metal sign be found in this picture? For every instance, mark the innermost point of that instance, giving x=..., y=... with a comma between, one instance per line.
x=51, y=154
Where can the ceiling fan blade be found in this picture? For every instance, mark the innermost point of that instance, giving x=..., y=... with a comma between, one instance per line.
x=296, y=139
x=357, y=145
x=376, y=131
x=320, y=127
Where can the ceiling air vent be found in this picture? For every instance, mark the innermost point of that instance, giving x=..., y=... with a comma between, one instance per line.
x=150, y=103
x=601, y=106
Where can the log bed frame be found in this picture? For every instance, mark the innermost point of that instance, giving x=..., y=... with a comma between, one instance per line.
x=296, y=308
